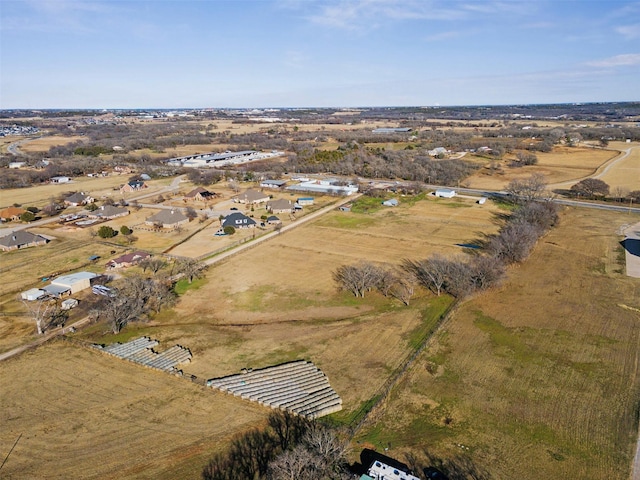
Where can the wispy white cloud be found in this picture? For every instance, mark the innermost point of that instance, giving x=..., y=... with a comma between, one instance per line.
x=367, y=14
x=630, y=32
x=294, y=59
x=627, y=59
x=49, y=16
x=437, y=37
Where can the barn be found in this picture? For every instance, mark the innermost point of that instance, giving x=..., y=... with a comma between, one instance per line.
x=445, y=193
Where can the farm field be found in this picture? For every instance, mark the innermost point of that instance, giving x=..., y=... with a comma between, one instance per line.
x=84, y=414
x=564, y=164
x=279, y=302
x=537, y=379
x=626, y=173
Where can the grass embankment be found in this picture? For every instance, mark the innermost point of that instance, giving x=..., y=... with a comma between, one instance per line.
x=537, y=378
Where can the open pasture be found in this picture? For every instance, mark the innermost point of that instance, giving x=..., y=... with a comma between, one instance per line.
x=563, y=164
x=625, y=174
x=42, y=144
x=84, y=414
x=278, y=302
x=538, y=378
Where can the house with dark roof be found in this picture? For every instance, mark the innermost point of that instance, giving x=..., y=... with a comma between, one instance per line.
x=167, y=218
x=108, y=212
x=77, y=199
x=21, y=239
x=133, y=186
x=128, y=260
x=11, y=213
x=200, y=194
x=250, y=197
x=273, y=220
x=282, y=205
x=238, y=220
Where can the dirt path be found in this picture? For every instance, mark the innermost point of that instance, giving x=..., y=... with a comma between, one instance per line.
x=43, y=339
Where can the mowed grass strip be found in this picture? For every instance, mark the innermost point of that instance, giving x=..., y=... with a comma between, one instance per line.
x=536, y=379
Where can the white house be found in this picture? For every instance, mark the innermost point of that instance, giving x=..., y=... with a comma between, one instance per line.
x=445, y=192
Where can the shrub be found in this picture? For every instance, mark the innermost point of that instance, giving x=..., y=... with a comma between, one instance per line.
x=106, y=232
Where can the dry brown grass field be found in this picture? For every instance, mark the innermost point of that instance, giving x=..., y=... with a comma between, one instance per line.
x=278, y=302
x=537, y=379
x=561, y=165
x=40, y=195
x=626, y=173
x=42, y=144
x=84, y=414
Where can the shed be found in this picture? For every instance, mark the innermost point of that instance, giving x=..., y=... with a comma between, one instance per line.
x=305, y=201
x=445, y=193
x=482, y=200
x=32, y=294
x=55, y=290
x=69, y=303
x=392, y=202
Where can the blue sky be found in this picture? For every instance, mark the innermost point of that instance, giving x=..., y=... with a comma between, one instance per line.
x=325, y=53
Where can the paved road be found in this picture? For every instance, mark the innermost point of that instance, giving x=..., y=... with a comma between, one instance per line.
x=13, y=148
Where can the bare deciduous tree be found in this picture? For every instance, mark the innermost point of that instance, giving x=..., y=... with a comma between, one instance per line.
x=591, y=188
x=528, y=189
x=190, y=268
x=154, y=264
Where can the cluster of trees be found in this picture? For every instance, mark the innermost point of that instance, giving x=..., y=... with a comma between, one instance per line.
x=366, y=276
x=134, y=298
x=411, y=165
x=137, y=297
x=290, y=448
x=461, y=276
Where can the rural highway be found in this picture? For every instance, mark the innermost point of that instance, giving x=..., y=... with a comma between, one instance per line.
x=13, y=148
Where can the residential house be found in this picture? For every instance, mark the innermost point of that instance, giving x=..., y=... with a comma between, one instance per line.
x=128, y=260
x=77, y=199
x=21, y=239
x=168, y=219
x=281, y=205
x=238, y=220
x=251, y=197
x=273, y=220
x=200, y=194
x=109, y=212
x=133, y=186
x=11, y=213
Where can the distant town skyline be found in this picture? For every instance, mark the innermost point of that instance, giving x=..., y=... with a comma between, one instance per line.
x=329, y=53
